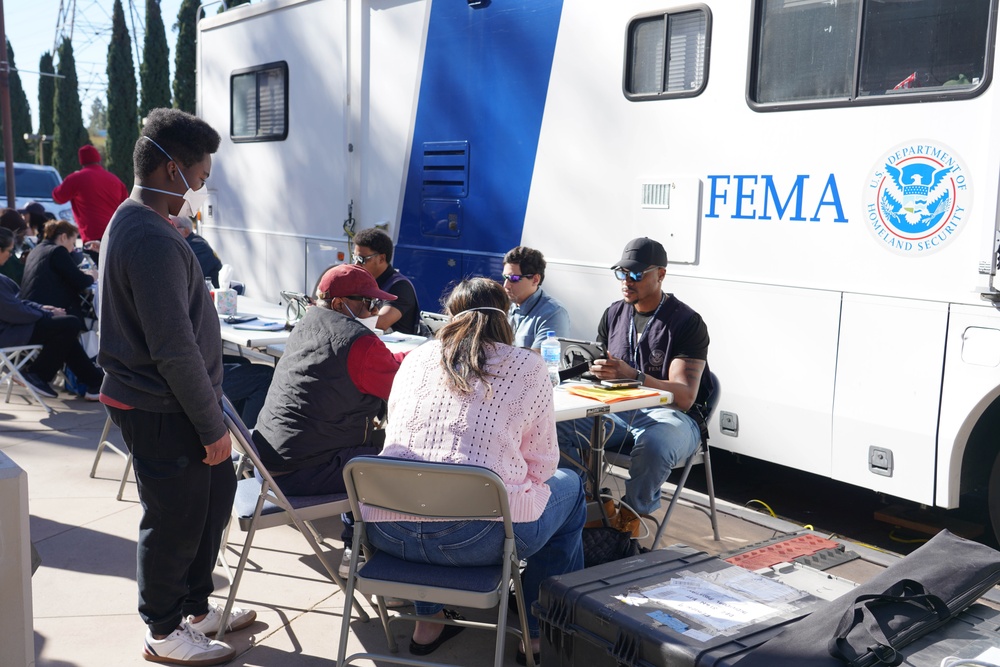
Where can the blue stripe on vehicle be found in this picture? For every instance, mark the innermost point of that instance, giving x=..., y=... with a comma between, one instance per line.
x=485, y=77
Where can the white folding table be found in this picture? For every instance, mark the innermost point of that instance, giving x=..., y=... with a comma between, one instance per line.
x=570, y=406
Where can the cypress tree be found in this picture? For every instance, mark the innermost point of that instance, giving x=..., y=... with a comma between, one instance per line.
x=123, y=112
x=69, y=133
x=154, y=73
x=46, y=103
x=184, y=56
x=20, y=112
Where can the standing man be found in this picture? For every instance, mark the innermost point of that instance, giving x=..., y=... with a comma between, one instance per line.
x=533, y=313
x=93, y=192
x=161, y=350
x=658, y=340
x=373, y=252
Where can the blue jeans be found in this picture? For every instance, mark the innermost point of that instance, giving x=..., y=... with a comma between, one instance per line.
x=552, y=545
x=656, y=439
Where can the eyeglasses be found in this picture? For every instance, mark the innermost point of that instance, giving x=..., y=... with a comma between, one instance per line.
x=361, y=260
x=514, y=278
x=634, y=276
x=370, y=303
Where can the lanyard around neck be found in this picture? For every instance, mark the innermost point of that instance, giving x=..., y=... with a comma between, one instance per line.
x=633, y=347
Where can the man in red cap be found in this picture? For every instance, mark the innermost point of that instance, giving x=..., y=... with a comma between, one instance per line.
x=93, y=192
x=329, y=387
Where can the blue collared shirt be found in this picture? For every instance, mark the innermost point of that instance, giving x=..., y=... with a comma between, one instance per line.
x=535, y=318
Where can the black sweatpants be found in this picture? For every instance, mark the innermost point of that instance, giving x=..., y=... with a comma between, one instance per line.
x=186, y=505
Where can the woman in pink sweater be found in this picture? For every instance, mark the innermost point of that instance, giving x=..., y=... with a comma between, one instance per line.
x=470, y=397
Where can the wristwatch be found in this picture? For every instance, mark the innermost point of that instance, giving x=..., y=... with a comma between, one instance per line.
x=641, y=377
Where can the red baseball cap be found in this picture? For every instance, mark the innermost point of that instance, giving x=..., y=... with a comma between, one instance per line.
x=350, y=280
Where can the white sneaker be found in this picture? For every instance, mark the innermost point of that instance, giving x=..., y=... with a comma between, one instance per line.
x=209, y=626
x=187, y=646
x=345, y=562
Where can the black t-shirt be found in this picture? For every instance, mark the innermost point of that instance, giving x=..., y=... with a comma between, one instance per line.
x=690, y=341
x=405, y=303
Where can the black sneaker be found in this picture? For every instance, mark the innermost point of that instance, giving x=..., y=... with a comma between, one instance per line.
x=40, y=385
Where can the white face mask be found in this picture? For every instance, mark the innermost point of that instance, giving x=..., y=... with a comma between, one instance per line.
x=194, y=198
x=371, y=321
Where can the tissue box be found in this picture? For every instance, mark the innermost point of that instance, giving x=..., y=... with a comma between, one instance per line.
x=225, y=301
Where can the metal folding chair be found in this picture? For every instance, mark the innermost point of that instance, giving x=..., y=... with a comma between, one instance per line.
x=12, y=360
x=103, y=444
x=700, y=455
x=433, y=491
x=260, y=504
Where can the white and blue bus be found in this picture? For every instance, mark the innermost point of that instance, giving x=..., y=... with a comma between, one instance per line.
x=823, y=173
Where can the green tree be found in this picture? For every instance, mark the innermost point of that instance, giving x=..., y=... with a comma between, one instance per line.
x=123, y=113
x=98, y=116
x=184, y=55
x=69, y=133
x=20, y=112
x=46, y=103
x=154, y=73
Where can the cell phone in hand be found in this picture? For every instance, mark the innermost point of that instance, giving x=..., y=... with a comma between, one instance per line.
x=621, y=383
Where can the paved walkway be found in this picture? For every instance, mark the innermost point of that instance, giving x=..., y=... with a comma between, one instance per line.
x=84, y=593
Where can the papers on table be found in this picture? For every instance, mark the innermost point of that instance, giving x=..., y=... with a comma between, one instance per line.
x=609, y=395
x=260, y=325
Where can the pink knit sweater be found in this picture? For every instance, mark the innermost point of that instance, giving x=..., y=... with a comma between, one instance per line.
x=511, y=431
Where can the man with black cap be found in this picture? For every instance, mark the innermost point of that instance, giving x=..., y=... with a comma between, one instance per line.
x=93, y=192
x=658, y=340
x=329, y=387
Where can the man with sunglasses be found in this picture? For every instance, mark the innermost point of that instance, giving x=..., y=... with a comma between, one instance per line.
x=373, y=252
x=655, y=338
x=533, y=313
x=329, y=387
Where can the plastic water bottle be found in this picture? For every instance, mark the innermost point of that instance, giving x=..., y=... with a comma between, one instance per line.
x=551, y=352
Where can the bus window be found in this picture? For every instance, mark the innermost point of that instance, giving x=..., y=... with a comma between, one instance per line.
x=667, y=55
x=806, y=51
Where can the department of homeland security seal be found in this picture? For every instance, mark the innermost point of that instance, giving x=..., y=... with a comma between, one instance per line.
x=917, y=198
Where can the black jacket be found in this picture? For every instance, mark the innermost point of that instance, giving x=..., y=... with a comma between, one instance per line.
x=52, y=277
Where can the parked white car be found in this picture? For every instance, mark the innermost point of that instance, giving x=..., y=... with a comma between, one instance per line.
x=33, y=182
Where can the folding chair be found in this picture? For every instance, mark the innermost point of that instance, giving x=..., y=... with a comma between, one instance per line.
x=260, y=504
x=434, y=491
x=12, y=360
x=700, y=455
x=103, y=444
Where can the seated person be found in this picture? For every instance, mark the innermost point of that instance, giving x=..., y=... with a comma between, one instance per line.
x=245, y=384
x=24, y=322
x=36, y=216
x=50, y=274
x=207, y=259
x=14, y=222
x=533, y=313
x=452, y=402
x=657, y=339
x=373, y=252
x=329, y=387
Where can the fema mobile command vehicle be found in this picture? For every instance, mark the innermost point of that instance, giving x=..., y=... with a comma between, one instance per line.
x=823, y=173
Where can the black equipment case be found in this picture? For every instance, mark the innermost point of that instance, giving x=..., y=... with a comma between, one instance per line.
x=689, y=610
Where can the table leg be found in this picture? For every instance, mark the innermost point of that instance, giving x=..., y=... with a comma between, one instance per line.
x=596, y=467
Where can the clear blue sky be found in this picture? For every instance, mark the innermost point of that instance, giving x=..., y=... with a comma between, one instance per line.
x=31, y=29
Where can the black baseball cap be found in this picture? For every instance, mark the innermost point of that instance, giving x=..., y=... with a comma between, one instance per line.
x=640, y=254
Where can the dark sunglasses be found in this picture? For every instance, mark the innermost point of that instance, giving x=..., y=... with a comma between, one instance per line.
x=514, y=278
x=361, y=260
x=634, y=276
x=370, y=303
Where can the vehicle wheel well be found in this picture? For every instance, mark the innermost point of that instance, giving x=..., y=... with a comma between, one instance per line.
x=981, y=451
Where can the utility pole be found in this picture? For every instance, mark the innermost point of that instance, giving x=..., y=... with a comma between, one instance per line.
x=8, y=133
